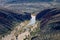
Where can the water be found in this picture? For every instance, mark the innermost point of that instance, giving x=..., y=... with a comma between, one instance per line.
x=32, y=21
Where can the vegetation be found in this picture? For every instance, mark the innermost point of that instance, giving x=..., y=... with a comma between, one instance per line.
x=35, y=32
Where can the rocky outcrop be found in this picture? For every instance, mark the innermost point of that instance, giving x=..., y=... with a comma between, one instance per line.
x=49, y=24
x=9, y=19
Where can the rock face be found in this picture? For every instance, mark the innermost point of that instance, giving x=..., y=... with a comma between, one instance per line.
x=41, y=14
x=49, y=24
x=8, y=19
x=20, y=32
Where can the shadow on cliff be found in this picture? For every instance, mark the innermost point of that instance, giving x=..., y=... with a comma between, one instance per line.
x=8, y=19
x=49, y=24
